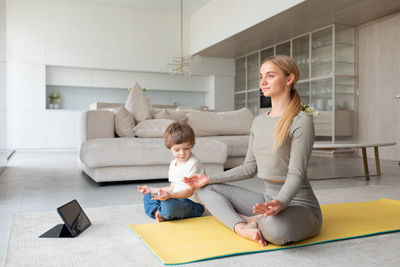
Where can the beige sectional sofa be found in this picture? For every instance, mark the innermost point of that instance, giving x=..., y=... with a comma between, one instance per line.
x=126, y=142
x=221, y=143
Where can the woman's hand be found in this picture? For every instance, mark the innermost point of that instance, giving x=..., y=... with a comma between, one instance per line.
x=197, y=180
x=270, y=208
x=162, y=195
x=144, y=189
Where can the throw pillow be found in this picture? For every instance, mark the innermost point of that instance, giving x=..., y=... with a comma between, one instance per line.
x=152, y=128
x=237, y=122
x=169, y=114
x=138, y=104
x=124, y=122
x=182, y=108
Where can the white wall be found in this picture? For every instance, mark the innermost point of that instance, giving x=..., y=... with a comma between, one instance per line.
x=112, y=86
x=222, y=97
x=3, y=106
x=378, y=80
x=81, y=35
x=225, y=18
x=86, y=24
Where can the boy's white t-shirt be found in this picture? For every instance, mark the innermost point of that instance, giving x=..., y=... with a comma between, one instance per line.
x=186, y=169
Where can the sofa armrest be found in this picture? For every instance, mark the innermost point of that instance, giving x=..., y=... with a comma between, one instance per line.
x=97, y=124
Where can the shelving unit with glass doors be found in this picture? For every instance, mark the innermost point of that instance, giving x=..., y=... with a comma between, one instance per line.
x=325, y=58
x=247, y=90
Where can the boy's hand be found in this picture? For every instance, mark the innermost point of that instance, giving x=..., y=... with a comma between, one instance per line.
x=144, y=189
x=162, y=195
x=270, y=208
x=197, y=180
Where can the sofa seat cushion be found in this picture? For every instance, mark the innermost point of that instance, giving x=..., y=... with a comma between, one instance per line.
x=237, y=144
x=107, y=152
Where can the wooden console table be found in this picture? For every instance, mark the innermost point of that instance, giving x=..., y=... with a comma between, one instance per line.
x=363, y=146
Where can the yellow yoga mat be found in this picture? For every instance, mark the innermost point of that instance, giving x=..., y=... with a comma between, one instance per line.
x=196, y=239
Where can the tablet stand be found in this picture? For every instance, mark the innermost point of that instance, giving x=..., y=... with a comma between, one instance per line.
x=58, y=231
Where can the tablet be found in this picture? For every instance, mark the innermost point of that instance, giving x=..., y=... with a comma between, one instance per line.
x=74, y=217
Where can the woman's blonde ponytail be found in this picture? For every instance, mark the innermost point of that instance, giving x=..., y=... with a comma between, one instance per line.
x=283, y=126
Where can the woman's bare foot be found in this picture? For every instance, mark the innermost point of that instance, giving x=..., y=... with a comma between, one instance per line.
x=251, y=232
x=250, y=218
x=159, y=218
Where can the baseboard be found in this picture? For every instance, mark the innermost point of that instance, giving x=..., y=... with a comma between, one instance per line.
x=333, y=153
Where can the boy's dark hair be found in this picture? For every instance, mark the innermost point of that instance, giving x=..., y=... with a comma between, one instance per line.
x=177, y=133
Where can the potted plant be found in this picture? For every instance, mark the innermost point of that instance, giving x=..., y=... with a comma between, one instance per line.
x=311, y=111
x=55, y=100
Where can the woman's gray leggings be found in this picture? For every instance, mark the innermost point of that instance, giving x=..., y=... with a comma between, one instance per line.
x=302, y=219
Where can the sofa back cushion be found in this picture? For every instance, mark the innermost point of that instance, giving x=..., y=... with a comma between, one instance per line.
x=169, y=114
x=237, y=122
x=152, y=128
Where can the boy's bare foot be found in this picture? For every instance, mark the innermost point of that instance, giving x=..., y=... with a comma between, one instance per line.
x=251, y=232
x=159, y=218
x=250, y=218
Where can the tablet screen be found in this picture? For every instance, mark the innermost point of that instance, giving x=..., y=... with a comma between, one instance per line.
x=74, y=217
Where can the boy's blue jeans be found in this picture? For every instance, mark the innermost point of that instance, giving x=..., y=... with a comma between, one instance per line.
x=172, y=208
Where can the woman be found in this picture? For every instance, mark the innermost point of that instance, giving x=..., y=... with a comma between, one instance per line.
x=280, y=146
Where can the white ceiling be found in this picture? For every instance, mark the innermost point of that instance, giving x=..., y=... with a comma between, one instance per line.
x=302, y=18
x=168, y=6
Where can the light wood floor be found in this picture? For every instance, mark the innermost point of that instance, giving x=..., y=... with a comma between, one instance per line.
x=39, y=181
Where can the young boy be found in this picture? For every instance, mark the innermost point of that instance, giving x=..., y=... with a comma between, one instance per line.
x=173, y=202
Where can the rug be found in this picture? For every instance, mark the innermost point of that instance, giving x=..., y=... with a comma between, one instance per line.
x=109, y=242
x=196, y=239
x=104, y=243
